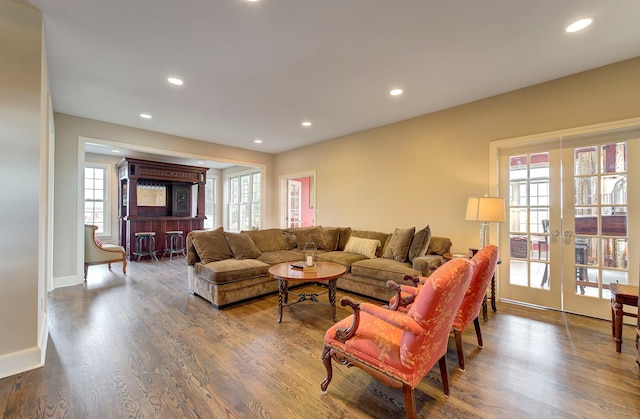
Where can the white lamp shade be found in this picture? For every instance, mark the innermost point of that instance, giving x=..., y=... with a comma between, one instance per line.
x=485, y=208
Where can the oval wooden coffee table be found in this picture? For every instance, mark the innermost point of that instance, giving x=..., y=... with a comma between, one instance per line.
x=327, y=271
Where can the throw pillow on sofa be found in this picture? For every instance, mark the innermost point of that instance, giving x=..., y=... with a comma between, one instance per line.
x=364, y=247
x=242, y=246
x=212, y=246
x=419, y=244
x=399, y=244
x=289, y=240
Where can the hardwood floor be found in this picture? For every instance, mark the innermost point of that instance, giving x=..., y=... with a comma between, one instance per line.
x=142, y=346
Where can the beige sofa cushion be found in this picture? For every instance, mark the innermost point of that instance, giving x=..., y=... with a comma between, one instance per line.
x=383, y=269
x=419, y=244
x=343, y=258
x=399, y=243
x=242, y=246
x=267, y=240
x=211, y=246
x=231, y=270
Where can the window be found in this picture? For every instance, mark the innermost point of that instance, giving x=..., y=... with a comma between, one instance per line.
x=244, y=201
x=96, y=203
x=210, y=203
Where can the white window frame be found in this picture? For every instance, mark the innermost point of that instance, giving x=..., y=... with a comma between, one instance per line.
x=249, y=204
x=106, y=201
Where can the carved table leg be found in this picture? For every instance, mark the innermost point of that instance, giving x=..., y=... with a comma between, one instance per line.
x=618, y=326
x=283, y=290
x=332, y=297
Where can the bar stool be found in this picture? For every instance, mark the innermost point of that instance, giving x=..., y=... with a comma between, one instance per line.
x=174, y=243
x=145, y=244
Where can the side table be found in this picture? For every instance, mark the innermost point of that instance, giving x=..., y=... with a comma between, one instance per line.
x=621, y=294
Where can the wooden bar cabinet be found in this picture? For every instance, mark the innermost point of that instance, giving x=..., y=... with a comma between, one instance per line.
x=159, y=197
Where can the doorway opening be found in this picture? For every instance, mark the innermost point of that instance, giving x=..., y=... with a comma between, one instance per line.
x=298, y=200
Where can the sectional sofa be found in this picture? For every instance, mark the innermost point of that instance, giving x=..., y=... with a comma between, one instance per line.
x=226, y=268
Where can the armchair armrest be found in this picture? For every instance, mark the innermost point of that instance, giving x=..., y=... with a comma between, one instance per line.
x=342, y=335
x=394, y=318
x=405, y=294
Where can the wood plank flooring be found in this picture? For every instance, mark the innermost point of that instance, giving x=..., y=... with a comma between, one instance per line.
x=140, y=346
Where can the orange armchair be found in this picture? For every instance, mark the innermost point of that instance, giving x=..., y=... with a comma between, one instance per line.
x=96, y=254
x=484, y=262
x=400, y=348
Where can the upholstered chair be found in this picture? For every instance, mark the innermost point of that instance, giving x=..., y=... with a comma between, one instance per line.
x=96, y=253
x=485, y=262
x=400, y=348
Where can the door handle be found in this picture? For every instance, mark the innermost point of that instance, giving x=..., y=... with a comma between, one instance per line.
x=568, y=234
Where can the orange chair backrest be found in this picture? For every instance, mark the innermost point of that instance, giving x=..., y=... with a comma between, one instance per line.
x=485, y=265
x=434, y=309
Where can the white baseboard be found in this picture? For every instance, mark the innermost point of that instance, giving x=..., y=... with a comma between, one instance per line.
x=26, y=359
x=66, y=281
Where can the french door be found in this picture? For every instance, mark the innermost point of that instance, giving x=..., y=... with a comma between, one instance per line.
x=294, y=200
x=567, y=236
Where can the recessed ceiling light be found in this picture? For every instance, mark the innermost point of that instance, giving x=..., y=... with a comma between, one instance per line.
x=579, y=25
x=115, y=151
x=395, y=92
x=306, y=124
x=200, y=162
x=145, y=116
x=176, y=81
x=257, y=141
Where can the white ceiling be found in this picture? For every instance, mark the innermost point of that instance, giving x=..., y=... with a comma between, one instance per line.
x=258, y=69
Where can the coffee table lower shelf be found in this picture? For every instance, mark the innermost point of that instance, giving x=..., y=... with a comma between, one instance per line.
x=284, y=292
x=326, y=273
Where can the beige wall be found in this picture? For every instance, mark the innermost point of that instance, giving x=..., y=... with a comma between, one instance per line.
x=21, y=130
x=422, y=170
x=68, y=130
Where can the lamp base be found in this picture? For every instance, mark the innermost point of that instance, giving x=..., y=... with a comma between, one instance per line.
x=484, y=235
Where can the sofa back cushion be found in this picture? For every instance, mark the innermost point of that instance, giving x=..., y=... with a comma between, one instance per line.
x=211, y=246
x=419, y=244
x=268, y=240
x=399, y=243
x=303, y=234
x=344, y=236
x=332, y=237
x=242, y=246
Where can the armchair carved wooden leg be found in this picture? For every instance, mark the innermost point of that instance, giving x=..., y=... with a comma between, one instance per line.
x=326, y=360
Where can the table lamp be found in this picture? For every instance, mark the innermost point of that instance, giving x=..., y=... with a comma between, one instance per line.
x=485, y=209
